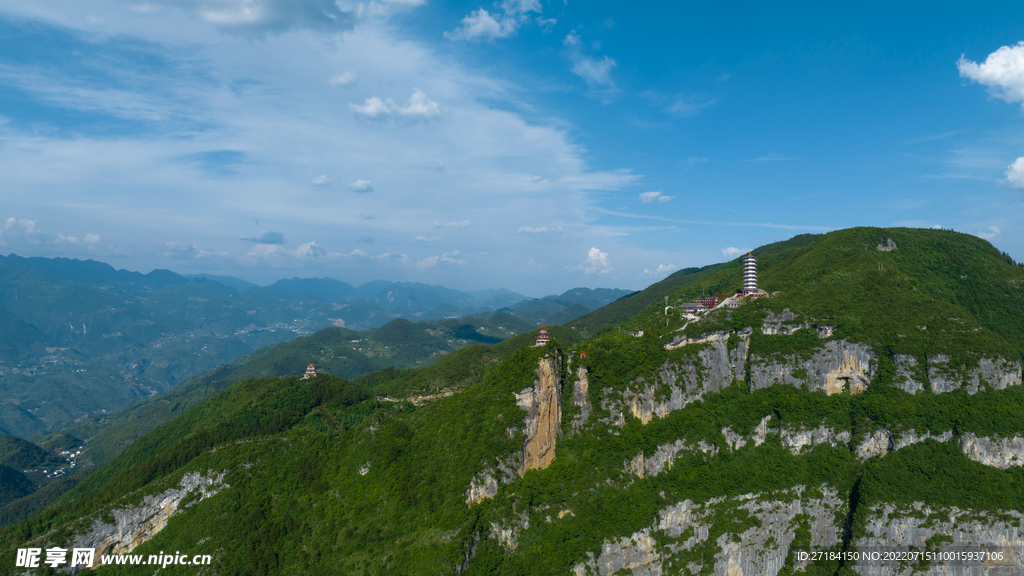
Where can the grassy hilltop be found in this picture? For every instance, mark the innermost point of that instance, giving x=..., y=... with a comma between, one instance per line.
x=376, y=475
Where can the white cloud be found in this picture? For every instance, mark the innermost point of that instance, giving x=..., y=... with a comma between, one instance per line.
x=24, y=233
x=596, y=263
x=991, y=233
x=732, y=252
x=685, y=107
x=187, y=251
x=419, y=107
x=539, y=229
x=320, y=180
x=448, y=258
x=20, y=231
x=460, y=225
x=1015, y=174
x=481, y=24
x=87, y=240
x=346, y=78
x=361, y=186
x=425, y=239
x=594, y=71
x=648, y=197
x=276, y=254
x=661, y=270
x=270, y=100
x=259, y=17
x=1002, y=72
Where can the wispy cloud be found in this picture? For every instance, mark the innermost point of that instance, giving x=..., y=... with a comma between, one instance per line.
x=260, y=17
x=732, y=252
x=597, y=72
x=539, y=230
x=361, y=186
x=188, y=251
x=661, y=270
x=932, y=137
x=460, y=225
x=267, y=238
x=648, y=197
x=320, y=180
x=713, y=223
x=449, y=258
x=773, y=158
x=346, y=78
x=482, y=25
x=426, y=239
x=989, y=233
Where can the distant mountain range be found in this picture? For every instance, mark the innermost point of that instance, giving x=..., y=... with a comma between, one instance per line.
x=78, y=338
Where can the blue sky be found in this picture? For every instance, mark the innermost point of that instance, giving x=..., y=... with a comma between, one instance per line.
x=530, y=145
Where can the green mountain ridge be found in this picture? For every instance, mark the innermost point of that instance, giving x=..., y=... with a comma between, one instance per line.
x=873, y=401
x=81, y=339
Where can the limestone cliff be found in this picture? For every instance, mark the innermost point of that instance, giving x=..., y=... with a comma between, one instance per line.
x=134, y=525
x=683, y=535
x=543, y=405
x=686, y=380
x=997, y=373
x=909, y=527
x=1000, y=453
x=835, y=367
x=581, y=399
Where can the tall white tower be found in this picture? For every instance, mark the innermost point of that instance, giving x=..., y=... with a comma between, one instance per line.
x=749, y=274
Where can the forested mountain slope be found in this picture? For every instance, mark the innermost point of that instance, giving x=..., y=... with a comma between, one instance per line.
x=873, y=402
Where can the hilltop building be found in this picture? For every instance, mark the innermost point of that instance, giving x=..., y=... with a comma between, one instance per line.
x=543, y=337
x=749, y=274
x=750, y=288
x=310, y=372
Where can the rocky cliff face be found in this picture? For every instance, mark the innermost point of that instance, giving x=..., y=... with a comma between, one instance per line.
x=909, y=527
x=580, y=399
x=543, y=405
x=1000, y=453
x=997, y=373
x=678, y=541
x=710, y=369
x=836, y=367
x=134, y=525
x=542, y=424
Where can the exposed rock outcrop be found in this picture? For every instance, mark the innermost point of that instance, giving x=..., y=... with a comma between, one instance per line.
x=797, y=439
x=904, y=528
x=485, y=483
x=906, y=373
x=761, y=549
x=709, y=370
x=837, y=366
x=885, y=441
x=134, y=525
x=888, y=246
x=580, y=399
x=663, y=457
x=543, y=405
x=998, y=373
x=998, y=452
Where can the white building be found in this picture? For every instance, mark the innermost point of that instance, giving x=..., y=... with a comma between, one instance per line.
x=750, y=274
